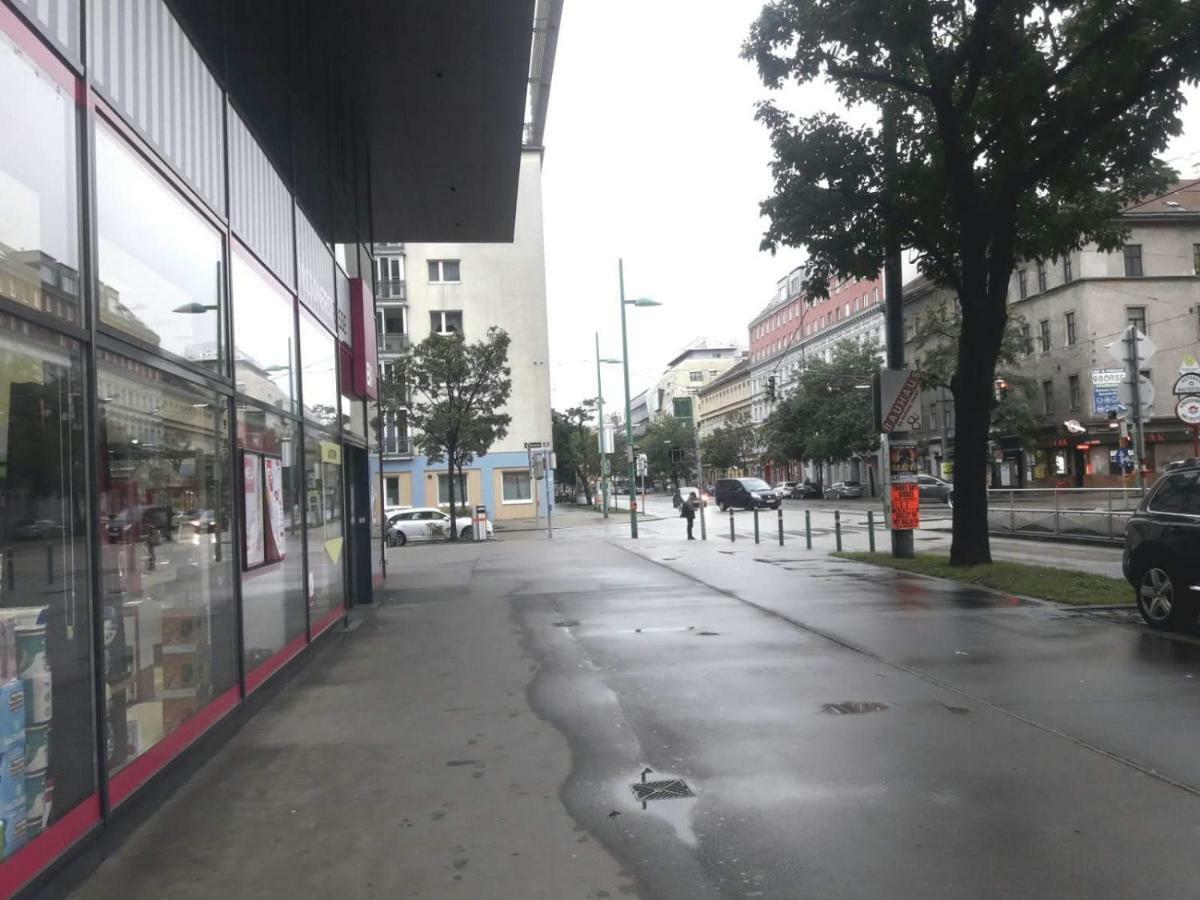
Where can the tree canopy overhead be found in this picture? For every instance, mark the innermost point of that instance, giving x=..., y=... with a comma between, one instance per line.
x=1021, y=129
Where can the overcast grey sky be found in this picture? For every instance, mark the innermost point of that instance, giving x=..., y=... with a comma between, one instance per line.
x=653, y=154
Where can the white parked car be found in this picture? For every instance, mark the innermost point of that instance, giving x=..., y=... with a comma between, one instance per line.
x=426, y=523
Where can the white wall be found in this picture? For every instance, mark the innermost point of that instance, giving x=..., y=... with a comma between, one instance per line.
x=502, y=285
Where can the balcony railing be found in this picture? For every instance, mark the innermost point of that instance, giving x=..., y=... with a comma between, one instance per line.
x=394, y=343
x=391, y=289
x=397, y=445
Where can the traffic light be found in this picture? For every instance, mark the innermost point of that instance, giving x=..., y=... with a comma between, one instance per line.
x=770, y=387
x=676, y=454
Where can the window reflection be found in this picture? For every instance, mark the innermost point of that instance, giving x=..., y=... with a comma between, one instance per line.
x=325, y=533
x=39, y=225
x=160, y=261
x=45, y=626
x=318, y=373
x=263, y=336
x=273, y=561
x=165, y=514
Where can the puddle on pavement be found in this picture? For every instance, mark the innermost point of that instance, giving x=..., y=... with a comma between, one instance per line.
x=852, y=707
x=676, y=812
x=567, y=623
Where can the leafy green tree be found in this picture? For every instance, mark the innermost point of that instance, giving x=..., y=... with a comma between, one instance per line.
x=937, y=334
x=575, y=444
x=1016, y=129
x=662, y=434
x=733, y=445
x=455, y=394
x=827, y=417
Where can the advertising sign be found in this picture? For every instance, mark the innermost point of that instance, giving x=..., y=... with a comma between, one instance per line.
x=1188, y=410
x=902, y=462
x=906, y=507
x=363, y=341
x=1187, y=384
x=1106, y=399
x=255, y=547
x=273, y=478
x=899, y=401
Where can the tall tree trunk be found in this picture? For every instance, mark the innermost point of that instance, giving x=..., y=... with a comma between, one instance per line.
x=974, y=397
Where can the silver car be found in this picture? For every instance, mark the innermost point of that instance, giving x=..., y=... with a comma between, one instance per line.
x=844, y=490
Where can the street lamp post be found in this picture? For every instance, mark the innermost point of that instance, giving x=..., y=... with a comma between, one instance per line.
x=600, y=423
x=641, y=301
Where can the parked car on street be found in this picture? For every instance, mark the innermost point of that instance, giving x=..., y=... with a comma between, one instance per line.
x=798, y=490
x=934, y=489
x=746, y=493
x=844, y=490
x=426, y=524
x=1162, y=550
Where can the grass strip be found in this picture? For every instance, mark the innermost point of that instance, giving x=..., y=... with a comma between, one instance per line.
x=1061, y=585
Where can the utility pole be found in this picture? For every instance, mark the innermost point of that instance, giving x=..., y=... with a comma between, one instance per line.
x=600, y=429
x=893, y=291
x=633, y=529
x=1139, y=436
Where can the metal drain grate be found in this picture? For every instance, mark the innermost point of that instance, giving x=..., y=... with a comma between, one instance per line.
x=852, y=707
x=673, y=789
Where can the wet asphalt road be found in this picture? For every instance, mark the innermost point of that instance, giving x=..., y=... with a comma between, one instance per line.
x=1020, y=751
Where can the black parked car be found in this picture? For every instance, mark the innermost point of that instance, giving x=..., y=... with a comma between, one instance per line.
x=1162, y=550
x=746, y=493
x=799, y=490
x=934, y=489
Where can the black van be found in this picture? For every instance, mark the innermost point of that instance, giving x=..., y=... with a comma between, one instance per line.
x=746, y=493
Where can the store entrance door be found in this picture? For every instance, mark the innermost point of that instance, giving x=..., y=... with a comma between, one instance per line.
x=358, y=520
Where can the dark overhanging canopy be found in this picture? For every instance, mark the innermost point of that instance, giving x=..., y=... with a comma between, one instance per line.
x=410, y=110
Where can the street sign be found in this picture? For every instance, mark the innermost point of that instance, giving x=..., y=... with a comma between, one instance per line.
x=899, y=400
x=643, y=464
x=1106, y=399
x=1075, y=426
x=1107, y=377
x=1145, y=394
x=1119, y=349
x=1187, y=383
x=1188, y=410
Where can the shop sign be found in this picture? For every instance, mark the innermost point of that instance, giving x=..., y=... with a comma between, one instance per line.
x=906, y=507
x=1107, y=377
x=899, y=400
x=1187, y=383
x=1188, y=410
x=1106, y=399
x=331, y=453
x=363, y=342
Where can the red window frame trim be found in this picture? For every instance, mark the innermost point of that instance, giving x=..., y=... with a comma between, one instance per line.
x=26, y=864
x=268, y=667
x=125, y=782
x=323, y=624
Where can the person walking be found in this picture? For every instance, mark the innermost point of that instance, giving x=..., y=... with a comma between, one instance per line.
x=687, y=509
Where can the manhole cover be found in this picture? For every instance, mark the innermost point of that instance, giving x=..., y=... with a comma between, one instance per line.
x=672, y=789
x=852, y=707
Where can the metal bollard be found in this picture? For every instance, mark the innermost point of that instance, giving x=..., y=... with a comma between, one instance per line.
x=808, y=529
x=837, y=528
x=871, y=529
x=732, y=536
x=780, y=511
x=756, y=524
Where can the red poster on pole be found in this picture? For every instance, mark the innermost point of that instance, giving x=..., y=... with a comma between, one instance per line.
x=906, y=507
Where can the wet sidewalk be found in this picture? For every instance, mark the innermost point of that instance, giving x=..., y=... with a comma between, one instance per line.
x=405, y=761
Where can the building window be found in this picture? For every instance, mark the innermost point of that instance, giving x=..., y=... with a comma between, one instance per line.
x=1196, y=259
x=1068, y=274
x=460, y=490
x=325, y=527
x=695, y=376
x=1070, y=317
x=318, y=373
x=1073, y=386
x=391, y=491
x=1022, y=284
x=39, y=206
x=272, y=535
x=1133, y=261
x=44, y=543
x=264, y=337
x=1044, y=327
x=516, y=487
x=444, y=271
x=1136, y=316
x=1041, y=276
x=160, y=260
x=1026, y=339
x=165, y=507
x=446, y=322
x=1048, y=397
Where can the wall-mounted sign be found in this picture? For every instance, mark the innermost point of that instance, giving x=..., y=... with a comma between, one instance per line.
x=1187, y=383
x=1188, y=410
x=1107, y=377
x=331, y=453
x=363, y=341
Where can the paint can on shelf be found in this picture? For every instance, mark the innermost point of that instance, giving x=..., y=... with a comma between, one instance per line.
x=39, y=698
x=31, y=650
